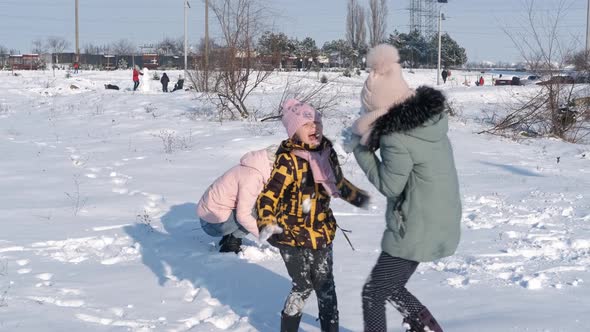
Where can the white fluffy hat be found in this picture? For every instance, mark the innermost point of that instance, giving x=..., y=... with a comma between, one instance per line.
x=384, y=88
x=385, y=85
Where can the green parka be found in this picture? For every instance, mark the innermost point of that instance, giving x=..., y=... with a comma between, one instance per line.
x=417, y=175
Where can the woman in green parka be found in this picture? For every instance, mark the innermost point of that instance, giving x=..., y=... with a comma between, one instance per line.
x=417, y=175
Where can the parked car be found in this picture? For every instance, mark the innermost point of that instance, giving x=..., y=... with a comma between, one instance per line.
x=515, y=80
x=558, y=80
x=582, y=79
x=531, y=79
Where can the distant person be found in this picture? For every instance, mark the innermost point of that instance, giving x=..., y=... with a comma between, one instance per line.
x=164, y=80
x=481, y=81
x=76, y=67
x=179, y=84
x=136, y=73
x=444, y=75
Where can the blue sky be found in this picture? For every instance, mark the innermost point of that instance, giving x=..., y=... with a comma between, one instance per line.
x=475, y=24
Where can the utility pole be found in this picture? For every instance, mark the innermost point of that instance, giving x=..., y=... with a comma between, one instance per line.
x=207, y=45
x=77, y=36
x=439, y=47
x=441, y=17
x=588, y=28
x=186, y=7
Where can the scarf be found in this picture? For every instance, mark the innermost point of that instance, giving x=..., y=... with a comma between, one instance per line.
x=321, y=168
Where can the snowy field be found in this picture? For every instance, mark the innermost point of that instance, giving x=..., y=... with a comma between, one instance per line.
x=98, y=191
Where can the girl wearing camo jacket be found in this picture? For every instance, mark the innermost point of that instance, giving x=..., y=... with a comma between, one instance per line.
x=294, y=213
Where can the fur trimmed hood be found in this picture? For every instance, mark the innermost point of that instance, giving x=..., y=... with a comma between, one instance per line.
x=419, y=114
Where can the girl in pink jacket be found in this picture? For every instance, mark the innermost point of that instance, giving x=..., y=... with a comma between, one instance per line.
x=226, y=208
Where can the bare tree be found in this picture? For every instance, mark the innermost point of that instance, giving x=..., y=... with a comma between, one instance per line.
x=555, y=108
x=90, y=48
x=377, y=21
x=238, y=71
x=123, y=47
x=3, y=55
x=38, y=47
x=57, y=45
x=315, y=94
x=202, y=43
x=355, y=25
x=580, y=60
x=171, y=46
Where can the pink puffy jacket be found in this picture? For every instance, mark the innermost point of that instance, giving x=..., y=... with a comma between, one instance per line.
x=237, y=189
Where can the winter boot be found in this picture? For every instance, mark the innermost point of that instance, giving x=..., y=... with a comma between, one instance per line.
x=423, y=323
x=290, y=323
x=428, y=320
x=329, y=324
x=412, y=325
x=230, y=243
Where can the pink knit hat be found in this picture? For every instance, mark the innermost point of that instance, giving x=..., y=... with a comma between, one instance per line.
x=384, y=88
x=296, y=114
x=385, y=85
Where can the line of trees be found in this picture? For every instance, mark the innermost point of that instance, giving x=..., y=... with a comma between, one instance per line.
x=365, y=28
x=415, y=49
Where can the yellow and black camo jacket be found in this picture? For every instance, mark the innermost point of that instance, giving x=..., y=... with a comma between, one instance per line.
x=291, y=183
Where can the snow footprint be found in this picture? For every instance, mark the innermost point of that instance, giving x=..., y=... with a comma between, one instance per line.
x=119, y=180
x=152, y=205
x=135, y=325
x=57, y=302
x=45, y=279
x=24, y=270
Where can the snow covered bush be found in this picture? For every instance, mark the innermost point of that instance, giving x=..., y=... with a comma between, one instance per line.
x=4, y=109
x=4, y=289
x=122, y=64
x=171, y=141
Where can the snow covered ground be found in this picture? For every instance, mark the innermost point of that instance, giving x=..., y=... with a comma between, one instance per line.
x=98, y=190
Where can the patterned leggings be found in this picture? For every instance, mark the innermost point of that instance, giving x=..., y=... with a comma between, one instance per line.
x=388, y=283
x=310, y=270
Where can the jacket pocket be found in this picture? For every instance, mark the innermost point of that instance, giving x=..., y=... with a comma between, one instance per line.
x=395, y=218
x=400, y=220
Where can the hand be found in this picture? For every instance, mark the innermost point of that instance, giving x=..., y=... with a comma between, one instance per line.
x=366, y=202
x=364, y=141
x=362, y=200
x=349, y=140
x=269, y=231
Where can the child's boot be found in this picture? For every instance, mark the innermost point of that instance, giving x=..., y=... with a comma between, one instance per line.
x=290, y=323
x=329, y=324
x=425, y=322
x=428, y=320
x=230, y=243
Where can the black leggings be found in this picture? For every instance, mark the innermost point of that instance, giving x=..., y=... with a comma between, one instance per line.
x=310, y=270
x=388, y=283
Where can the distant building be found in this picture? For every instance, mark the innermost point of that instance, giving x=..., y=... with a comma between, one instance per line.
x=150, y=60
x=24, y=61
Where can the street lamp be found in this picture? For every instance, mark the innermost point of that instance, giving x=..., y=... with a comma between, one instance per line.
x=441, y=17
x=186, y=7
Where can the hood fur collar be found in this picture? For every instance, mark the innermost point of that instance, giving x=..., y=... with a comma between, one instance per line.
x=411, y=114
